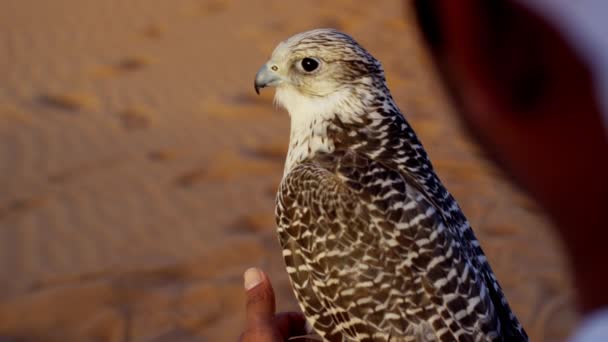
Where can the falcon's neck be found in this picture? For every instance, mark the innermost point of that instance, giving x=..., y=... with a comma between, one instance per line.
x=320, y=124
x=310, y=120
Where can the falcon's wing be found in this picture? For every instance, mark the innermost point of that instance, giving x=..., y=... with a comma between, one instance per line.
x=368, y=254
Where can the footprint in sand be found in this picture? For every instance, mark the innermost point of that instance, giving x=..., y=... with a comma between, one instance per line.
x=153, y=31
x=191, y=178
x=136, y=118
x=163, y=155
x=133, y=63
x=71, y=101
x=18, y=206
x=126, y=65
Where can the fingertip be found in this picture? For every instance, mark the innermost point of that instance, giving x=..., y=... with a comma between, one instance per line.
x=252, y=278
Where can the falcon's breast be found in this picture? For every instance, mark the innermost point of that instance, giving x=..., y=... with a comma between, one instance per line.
x=370, y=257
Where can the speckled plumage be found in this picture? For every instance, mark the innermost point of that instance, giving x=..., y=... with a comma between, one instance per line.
x=375, y=247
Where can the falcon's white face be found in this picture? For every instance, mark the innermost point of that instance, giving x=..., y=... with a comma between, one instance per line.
x=319, y=73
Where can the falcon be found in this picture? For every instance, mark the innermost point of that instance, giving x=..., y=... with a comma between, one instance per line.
x=375, y=247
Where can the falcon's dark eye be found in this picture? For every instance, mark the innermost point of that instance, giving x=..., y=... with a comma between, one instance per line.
x=309, y=64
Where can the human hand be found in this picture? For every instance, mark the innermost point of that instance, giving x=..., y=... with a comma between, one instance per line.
x=263, y=325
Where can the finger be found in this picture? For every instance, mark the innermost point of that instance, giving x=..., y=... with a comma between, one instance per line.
x=290, y=324
x=260, y=299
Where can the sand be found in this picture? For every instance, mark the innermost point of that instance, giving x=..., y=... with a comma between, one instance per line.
x=139, y=168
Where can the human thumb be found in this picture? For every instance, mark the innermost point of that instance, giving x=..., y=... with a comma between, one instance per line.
x=260, y=298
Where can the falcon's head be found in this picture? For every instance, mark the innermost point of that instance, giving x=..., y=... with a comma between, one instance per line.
x=322, y=72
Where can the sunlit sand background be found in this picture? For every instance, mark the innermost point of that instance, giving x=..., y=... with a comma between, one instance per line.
x=138, y=168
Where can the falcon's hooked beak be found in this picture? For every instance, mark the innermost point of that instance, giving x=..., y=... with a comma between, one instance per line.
x=267, y=77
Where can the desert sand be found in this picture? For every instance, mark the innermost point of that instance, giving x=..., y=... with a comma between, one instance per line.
x=138, y=167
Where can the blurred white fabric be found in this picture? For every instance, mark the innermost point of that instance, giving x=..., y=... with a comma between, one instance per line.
x=584, y=23
x=594, y=328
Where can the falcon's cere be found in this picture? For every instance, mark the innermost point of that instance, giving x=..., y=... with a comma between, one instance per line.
x=375, y=246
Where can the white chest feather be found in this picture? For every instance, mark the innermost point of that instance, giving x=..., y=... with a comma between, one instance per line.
x=310, y=119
